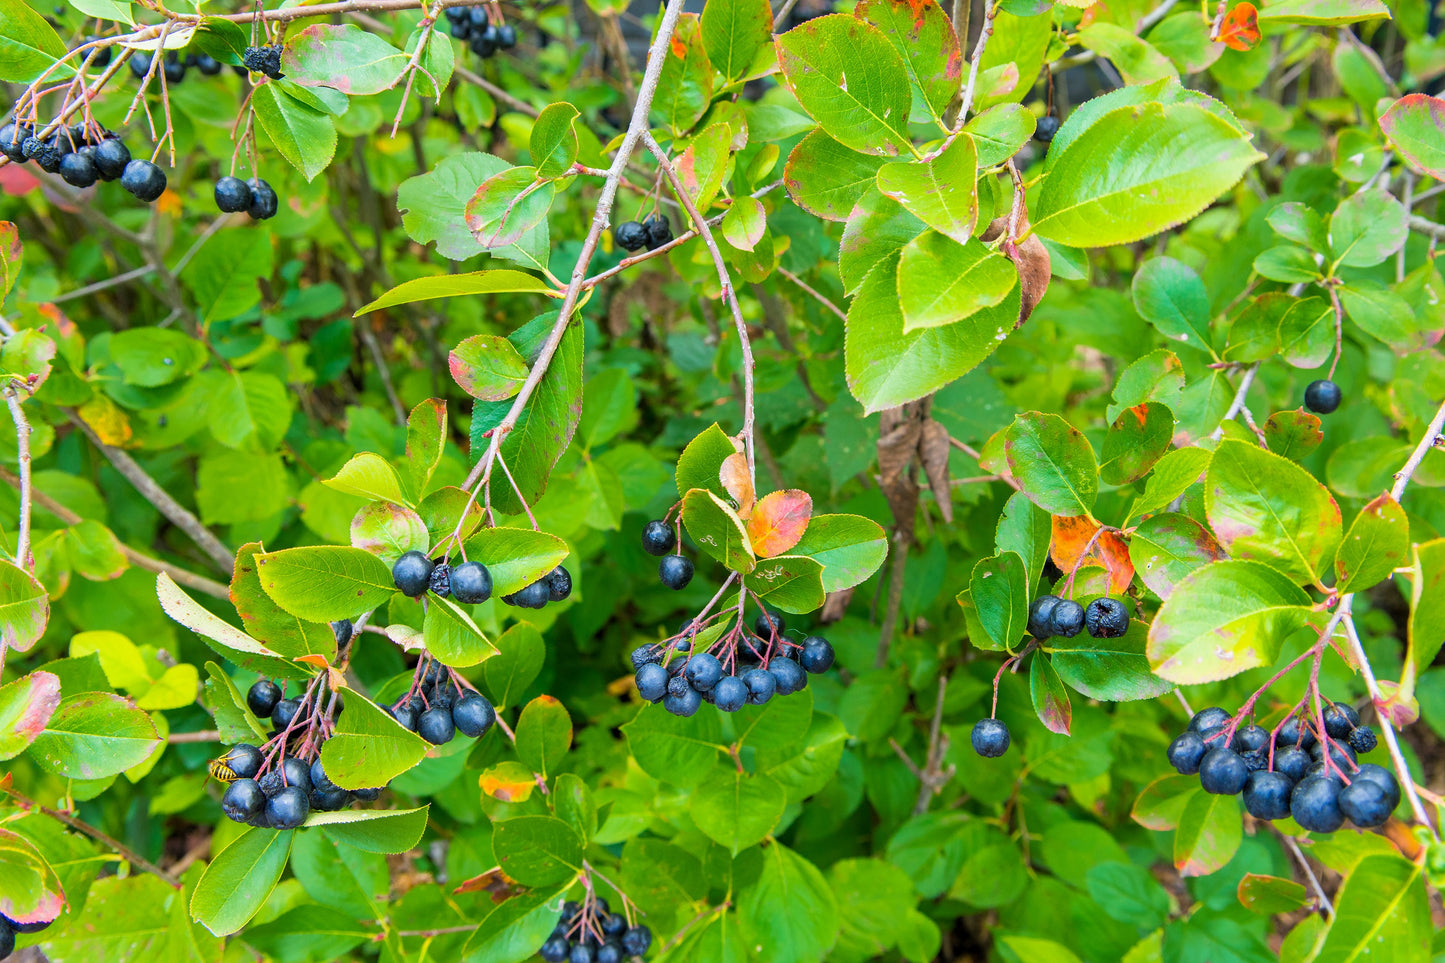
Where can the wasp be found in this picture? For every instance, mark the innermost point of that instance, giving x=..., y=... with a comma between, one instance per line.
x=239, y=762
x=221, y=770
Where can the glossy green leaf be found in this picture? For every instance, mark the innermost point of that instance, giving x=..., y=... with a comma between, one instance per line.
x=325, y=583
x=515, y=557
x=1110, y=670
x=827, y=179
x=717, y=529
x=384, y=831
x=369, y=748
x=790, y=907
x=792, y=583
x=544, y=734
x=1167, y=547
x=941, y=192
x=1383, y=911
x=554, y=142
x=1415, y=126
x=924, y=37
x=24, y=608
x=344, y=57
x=999, y=588
x=941, y=281
x=500, y=281
x=1366, y=228
x=537, y=850
x=240, y=879
x=452, y=636
x=508, y=205
x=1136, y=441
x=677, y=750
x=1171, y=297
x=303, y=135
x=26, y=706
x=849, y=547
x=685, y=86
x=94, y=735
x=737, y=810
x=28, y=44
x=1053, y=462
x=1210, y=831
x=1377, y=543
x=227, y=640
x=735, y=32
x=368, y=475
x=1050, y=698
x=519, y=658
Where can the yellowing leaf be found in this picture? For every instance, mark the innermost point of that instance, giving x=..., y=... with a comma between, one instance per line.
x=738, y=481
x=779, y=521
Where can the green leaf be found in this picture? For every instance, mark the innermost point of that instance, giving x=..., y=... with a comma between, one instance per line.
x=1264, y=507
x=684, y=87
x=94, y=735
x=29, y=889
x=26, y=706
x=519, y=658
x=792, y=583
x=790, y=908
x=1167, y=547
x=941, y=281
x=1383, y=911
x=924, y=37
x=718, y=530
x=744, y=223
x=240, y=879
x=827, y=179
x=250, y=411
x=1136, y=441
x=508, y=205
x=516, y=557
x=151, y=357
x=1415, y=126
x=1301, y=224
x=369, y=748
x=1210, y=831
x=1288, y=263
x=878, y=227
x=388, y=531
x=426, y=441
x=1268, y=895
x=24, y=608
x=1377, y=543
x=368, y=475
x=700, y=464
x=28, y=45
x=1223, y=619
x=734, y=33
x=501, y=281
x=1426, y=628
x=553, y=143
x=325, y=583
x=1128, y=893
x=1170, y=296
x=537, y=850
x=343, y=57
x=1366, y=228
x=1382, y=314
x=1050, y=698
x=544, y=734
x=1000, y=132
x=1137, y=170
x=1323, y=12
x=280, y=631
x=850, y=548
x=303, y=135
x=1172, y=476
x=1137, y=61
x=1293, y=434
x=228, y=706
x=1025, y=528
x=452, y=636
x=1109, y=670
x=676, y=750
x=433, y=210
x=223, y=637
x=384, y=831
x=887, y=366
x=942, y=193
x=737, y=810
x=521, y=924
x=225, y=277
x=850, y=79
x=1053, y=463
x=1307, y=333
x=999, y=588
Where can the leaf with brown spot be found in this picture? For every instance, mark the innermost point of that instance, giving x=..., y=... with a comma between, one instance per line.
x=933, y=448
x=738, y=482
x=1071, y=534
x=1031, y=258
x=508, y=782
x=779, y=521
x=493, y=882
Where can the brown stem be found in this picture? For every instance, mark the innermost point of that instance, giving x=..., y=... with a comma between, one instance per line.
x=130, y=855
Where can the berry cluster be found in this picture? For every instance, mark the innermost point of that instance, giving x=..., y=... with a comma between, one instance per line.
x=82, y=157
x=660, y=538
x=593, y=934
x=471, y=583
x=254, y=197
x=753, y=667
x=440, y=704
x=1050, y=615
x=652, y=233
x=1323, y=397
x=9, y=929
x=173, y=66
x=473, y=25
x=1295, y=771
x=263, y=60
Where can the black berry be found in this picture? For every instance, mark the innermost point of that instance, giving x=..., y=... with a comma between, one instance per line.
x=657, y=538
x=262, y=697
x=1266, y=795
x=243, y=760
x=1365, y=804
x=12, y=139
x=990, y=738
x=471, y=582
x=1185, y=753
x=342, y=629
x=684, y=702
x=1106, y=619
x=1315, y=804
x=559, y=584
x=817, y=654
x=440, y=580
x=651, y=682
x=534, y=596
x=675, y=571
x=768, y=625
x=1067, y=618
x=788, y=676
x=1222, y=772
x=412, y=574
x=506, y=36
x=555, y=950
x=208, y=65
x=1363, y=739
x=143, y=179
x=632, y=236
x=1294, y=763
x=1340, y=719
x=761, y=685
x=264, y=203
x=1295, y=733
x=637, y=940
x=232, y=195
x=474, y=715
x=174, y=68
x=243, y=800
x=1041, y=611
x=1208, y=719
x=289, y=808
x=1381, y=777
x=1046, y=128
x=1323, y=397
x=111, y=157
x=1250, y=738
x=659, y=230
x=703, y=671
x=436, y=725
x=284, y=712
x=730, y=694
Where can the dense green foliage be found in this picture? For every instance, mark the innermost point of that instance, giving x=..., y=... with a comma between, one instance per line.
x=895, y=337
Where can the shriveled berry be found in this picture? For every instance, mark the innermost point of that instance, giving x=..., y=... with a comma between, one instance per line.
x=630, y=236
x=659, y=230
x=1067, y=618
x=1363, y=739
x=559, y=584
x=264, y=203
x=440, y=580
x=1106, y=619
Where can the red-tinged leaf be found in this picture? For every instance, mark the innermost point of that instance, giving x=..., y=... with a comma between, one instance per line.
x=38, y=898
x=1400, y=707
x=26, y=706
x=1240, y=29
x=317, y=660
x=738, y=482
x=779, y=521
x=1377, y=543
x=1162, y=802
x=1108, y=551
x=1415, y=126
x=1051, y=699
x=1210, y=831
x=11, y=255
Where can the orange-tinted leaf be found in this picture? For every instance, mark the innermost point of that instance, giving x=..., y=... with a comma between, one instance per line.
x=508, y=782
x=1240, y=29
x=1401, y=708
x=494, y=882
x=1109, y=551
x=738, y=481
x=317, y=660
x=779, y=521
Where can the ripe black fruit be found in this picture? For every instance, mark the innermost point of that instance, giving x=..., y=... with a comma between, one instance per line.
x=111, y=157
x=768, y=625
x=631, y=236
x=244, y=760
x=139, y=64
x=1067, y=618
x=264, y=203
x=1365, y=804
x=730, y=694
x=657, y=538
x=506, y=36
x=1381, y=777
x=675, y=571
x=289, y=808
x=659, y=230
x=368, y=795
x=1250, y=738
x=483, y=45
x=174, y=68
x=534, y=596
x=412, y=574
x=1363, y=739
x=1315, y=804
x=1294, y=733
x=1294, y=763
x=474, y=715
x=232, y=195
x=7, y=939
x=404, y=715
x=1342, y=757
x=682, y=703
x=990, y=738
x=243, y=800
x=1106, y=619
x=761, y=685
x=555, y=950
x=1266, y=795
x=559, y=584
x=1340, y=719
x=296, y=773
x=637, y=940
x=817, y=654
x=1222, y=772
x=284, y=712
x=262, y=697
x=703, y=671
x=208, y=65
x=1041, y=611
x=12, y=138
x=651, y=681
x=471, y=582
x=1185, y=753
x=436, y=725
x=788, y=676
x=1046, y=128
x=1208, y=719
x=143, y=179
x=1323, y=397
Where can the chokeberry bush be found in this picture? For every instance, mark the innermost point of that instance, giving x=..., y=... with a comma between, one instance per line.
x=893, y=480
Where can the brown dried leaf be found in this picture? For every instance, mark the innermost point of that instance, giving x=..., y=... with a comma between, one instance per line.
x=900, y=430
x=1031, y=259
x=779, y=521
x=498, y=884
x=738, y=482
x=933, y=450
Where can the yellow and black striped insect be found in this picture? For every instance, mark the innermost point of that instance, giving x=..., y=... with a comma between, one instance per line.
x=221, y=770
x=239, y=762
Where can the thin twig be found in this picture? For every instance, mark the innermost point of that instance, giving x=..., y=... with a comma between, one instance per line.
x=130, y=855
x=1238, y=402
x=205, y=735
x=1293, y=847
x=1426, y=226
x=989, y=13
x=813, y=293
